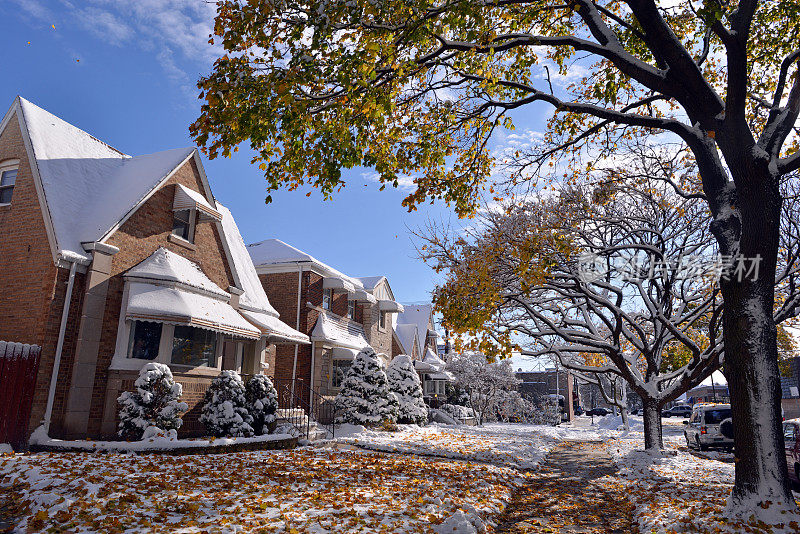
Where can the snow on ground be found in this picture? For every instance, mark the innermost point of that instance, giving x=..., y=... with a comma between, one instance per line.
x=300, y=490
x=679, y=490
x=517, y=446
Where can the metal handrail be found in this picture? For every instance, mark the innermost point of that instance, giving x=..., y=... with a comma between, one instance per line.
x=304, y=404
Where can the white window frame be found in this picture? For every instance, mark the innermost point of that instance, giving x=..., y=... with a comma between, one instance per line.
x=382, y=320
x=327, y=292
x=123, y=361
x=351, y=309
x=192, y=225
x=333, y=366
x=9, y=165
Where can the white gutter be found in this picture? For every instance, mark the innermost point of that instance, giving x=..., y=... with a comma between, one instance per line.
x=48, y=412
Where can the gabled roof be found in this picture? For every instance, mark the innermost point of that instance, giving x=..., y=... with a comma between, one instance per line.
x=86, y=187
x=370, y=282
x=254, y=296
x=407, y=337
x=274, y=252
x=166, y=266
x=418, y=315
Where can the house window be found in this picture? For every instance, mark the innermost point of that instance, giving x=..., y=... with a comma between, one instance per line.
x=196, y=347
x=8, y=178
x=351, y=309
x=327, y=298
x=434, y=387
x=340, y=368
x=382, y=320
x=183, y=225
x=144, y=340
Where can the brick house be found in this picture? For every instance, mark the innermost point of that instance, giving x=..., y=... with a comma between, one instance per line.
x=340, y=314
x=415, y=334
x=109, y=261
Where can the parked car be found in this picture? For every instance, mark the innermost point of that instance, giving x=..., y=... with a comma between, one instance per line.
x=681, y=410
x=634, y=411
x=709, y=426
x=578, y=410
x=598, y=411
x=791, y=439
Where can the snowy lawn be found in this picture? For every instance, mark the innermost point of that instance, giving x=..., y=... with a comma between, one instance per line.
x=509, y=445
x=301, y=490
x=680, y=491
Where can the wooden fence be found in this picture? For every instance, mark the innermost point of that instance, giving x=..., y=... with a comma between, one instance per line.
x=19, y=364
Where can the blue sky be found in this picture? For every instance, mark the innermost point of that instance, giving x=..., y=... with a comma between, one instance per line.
x=125, y=72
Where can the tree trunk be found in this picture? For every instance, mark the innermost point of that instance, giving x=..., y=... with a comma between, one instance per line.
x=751, y=365
x=625, y=422
x=751, y=354
x=652, y=425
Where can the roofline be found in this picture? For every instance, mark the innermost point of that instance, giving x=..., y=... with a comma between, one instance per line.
x=317, y=266
x=116, y=226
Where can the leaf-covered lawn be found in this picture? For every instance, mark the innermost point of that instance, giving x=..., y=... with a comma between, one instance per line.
x=302, y=490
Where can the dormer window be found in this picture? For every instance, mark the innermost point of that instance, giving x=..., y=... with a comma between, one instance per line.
x=183, y=224
x=327, y=298
x=351, y=309
x=190, y=208
x=8, y=178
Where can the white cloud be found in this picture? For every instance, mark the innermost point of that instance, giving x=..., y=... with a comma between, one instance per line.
x=404, y=183
x=175, y=31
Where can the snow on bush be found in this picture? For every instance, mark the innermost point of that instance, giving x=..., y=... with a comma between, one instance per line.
x=615, y=422
x=225, y=408
x=365, y=398
x=262, y=402
x=154, y=403
x=404, y=382
x=457, y=412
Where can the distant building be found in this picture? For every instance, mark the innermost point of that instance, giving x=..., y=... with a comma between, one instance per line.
x=536, y=384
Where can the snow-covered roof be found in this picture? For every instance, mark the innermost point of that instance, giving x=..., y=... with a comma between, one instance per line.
x=274, y=252
x=406, y=336
x=274, y=328
x=87, y=185
x=418, y=315
x=371, y=281
x=337, y=332
x=433, y=359
x=166, y=266
x=254, y=297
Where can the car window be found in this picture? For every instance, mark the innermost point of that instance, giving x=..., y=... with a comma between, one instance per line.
x=789, y=433
x=715, y=417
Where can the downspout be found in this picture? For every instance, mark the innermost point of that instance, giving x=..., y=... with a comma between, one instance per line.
x=48, y=412
x=297, y=326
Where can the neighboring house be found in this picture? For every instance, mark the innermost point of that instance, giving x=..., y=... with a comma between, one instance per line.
x=415, y=334
x=109, y=261
x=341, y=314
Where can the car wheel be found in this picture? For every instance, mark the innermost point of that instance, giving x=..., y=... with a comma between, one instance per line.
x=700, y=446
x=688, y=441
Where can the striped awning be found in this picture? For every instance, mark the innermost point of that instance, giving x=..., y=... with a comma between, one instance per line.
x=173, y=305
x=188, y=199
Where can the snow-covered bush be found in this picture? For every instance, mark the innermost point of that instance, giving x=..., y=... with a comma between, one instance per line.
x=457, y=412
x=225, y=407
x=365, y=398
x=154, y=403
x=262, y=402
x=404, y=382
x=486, y=384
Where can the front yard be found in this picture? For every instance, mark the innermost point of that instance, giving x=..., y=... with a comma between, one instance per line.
x=419, y=479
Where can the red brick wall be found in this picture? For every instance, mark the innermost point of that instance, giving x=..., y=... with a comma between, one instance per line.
x=145, y=231
x=33, y=289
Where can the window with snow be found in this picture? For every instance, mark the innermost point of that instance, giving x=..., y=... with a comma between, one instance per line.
x=8, y=178
x=340, y=368
x=351, y=309
x=382, y=320
x=327, y=298
x=144, y=340
x=195, y=347
x=183, y=224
